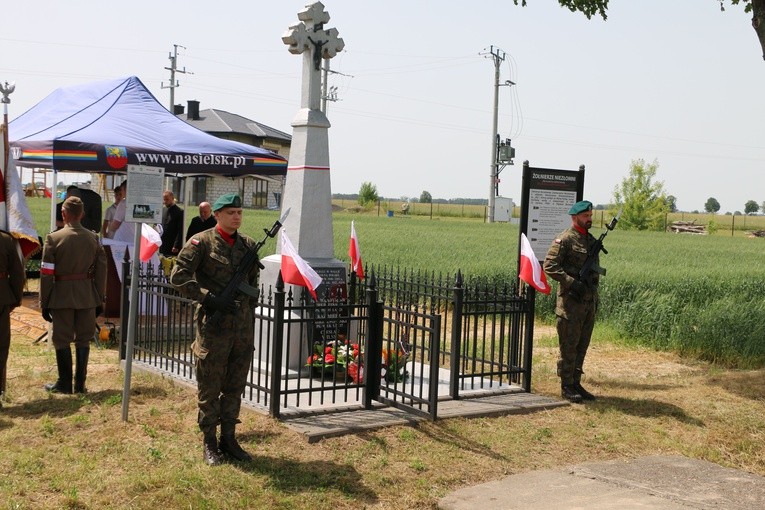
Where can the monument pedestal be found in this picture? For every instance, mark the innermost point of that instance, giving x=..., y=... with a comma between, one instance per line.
x=334, y=286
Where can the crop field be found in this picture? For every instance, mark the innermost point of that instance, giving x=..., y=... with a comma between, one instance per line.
x=700, y=296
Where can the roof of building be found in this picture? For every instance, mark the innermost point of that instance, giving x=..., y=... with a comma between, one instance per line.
x=220, y=121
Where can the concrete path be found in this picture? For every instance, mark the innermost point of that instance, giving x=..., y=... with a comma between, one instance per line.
x=661, y=482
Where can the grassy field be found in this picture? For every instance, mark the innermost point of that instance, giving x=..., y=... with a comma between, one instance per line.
x=75, y=452
x=718, y=224
x=701, y=296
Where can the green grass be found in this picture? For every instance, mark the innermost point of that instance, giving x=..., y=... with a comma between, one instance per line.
x=701, y=296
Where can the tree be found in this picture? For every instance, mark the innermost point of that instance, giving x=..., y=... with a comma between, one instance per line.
x=751, y=207
x=671, y=203
x=642, y=201
x=425, y=197
x=368, y=194
x=712, y=205
x=591, y=7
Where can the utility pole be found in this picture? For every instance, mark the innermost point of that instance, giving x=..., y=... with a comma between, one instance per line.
x=498, y=56
x=174, y=69
x=328, y=93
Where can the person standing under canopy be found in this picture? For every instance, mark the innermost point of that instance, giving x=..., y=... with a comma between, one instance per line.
x=172, y=226
x=202, y=222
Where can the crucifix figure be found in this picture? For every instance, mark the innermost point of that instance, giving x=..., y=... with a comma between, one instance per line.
x=310, y=38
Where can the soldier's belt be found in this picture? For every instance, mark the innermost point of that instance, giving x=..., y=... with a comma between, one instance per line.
x=73, y=276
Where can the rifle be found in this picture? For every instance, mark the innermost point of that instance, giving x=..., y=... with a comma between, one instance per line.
x=590, y=267
x=238, y=282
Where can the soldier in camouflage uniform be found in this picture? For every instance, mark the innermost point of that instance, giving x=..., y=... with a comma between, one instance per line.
x=223, y=353
x=576, y=301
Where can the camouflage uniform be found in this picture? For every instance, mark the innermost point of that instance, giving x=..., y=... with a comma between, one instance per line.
x=576, y=316
x=224, y=352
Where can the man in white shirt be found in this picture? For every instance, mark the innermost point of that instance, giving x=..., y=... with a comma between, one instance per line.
x=106, y=230
x=123, y=230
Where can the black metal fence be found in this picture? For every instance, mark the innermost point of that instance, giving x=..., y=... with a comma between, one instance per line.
x=401, y=338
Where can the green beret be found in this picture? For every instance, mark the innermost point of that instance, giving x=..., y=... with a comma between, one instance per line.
x=227, y=200
x=581, y=206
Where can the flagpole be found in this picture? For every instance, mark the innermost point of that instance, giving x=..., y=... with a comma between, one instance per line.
x=5, y=89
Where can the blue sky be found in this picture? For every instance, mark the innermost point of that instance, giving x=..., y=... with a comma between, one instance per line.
x=677, y=81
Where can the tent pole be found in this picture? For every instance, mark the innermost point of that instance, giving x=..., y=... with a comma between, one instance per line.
x=187, y=213
x=54, y=197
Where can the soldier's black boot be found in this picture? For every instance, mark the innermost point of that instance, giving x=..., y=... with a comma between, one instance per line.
x=81, y=368
x=211, y=453
x=230, y=446
x=64, y=362
x=570, y=394
x=586, y=395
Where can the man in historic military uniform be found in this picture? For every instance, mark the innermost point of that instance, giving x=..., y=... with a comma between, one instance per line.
x=576, y=301
x=11, y=291
x=223, y=352
x=72, y=290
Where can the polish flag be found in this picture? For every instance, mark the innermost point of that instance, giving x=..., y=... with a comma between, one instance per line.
x=531, y=271
x=150, y=242
x=295, y=270
x=355, y=253
x=15, y=216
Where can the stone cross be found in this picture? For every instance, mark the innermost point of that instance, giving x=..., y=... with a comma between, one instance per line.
x=307, y=189
x=310, y=38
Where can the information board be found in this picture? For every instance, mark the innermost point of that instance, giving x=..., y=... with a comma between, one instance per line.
x=547, y=196
x=144, y=197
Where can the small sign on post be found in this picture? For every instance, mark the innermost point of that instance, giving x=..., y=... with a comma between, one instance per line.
x=143, y=205
x=144, y=198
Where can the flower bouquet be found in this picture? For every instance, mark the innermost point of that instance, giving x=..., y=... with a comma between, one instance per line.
x=394, y=365
x=336, y=358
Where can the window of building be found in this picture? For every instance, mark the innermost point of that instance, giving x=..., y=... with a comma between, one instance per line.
x=260, y=193
x=199, y=189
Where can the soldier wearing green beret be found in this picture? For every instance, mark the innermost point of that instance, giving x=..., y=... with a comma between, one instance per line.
x=204, y=266
x=576, y=301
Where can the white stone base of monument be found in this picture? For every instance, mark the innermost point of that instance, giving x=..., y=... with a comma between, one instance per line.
x=334, y=281
x=294, y=357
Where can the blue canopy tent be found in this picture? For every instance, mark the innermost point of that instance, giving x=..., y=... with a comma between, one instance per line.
x=106, y=125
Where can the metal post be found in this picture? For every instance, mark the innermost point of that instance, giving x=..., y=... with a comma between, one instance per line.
x=276, y=350
x=124, y=304
x=456, y=344
x=373, y=351
x=528, y=341
x=435, y=354
x=132, y=320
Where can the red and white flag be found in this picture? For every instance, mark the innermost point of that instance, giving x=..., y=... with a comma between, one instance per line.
x=355, y=253
x=295, y=270
x=531, y=270
x=150, y=242
x=15, y=216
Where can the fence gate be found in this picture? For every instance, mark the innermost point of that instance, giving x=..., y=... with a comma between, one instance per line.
x=410, y=360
